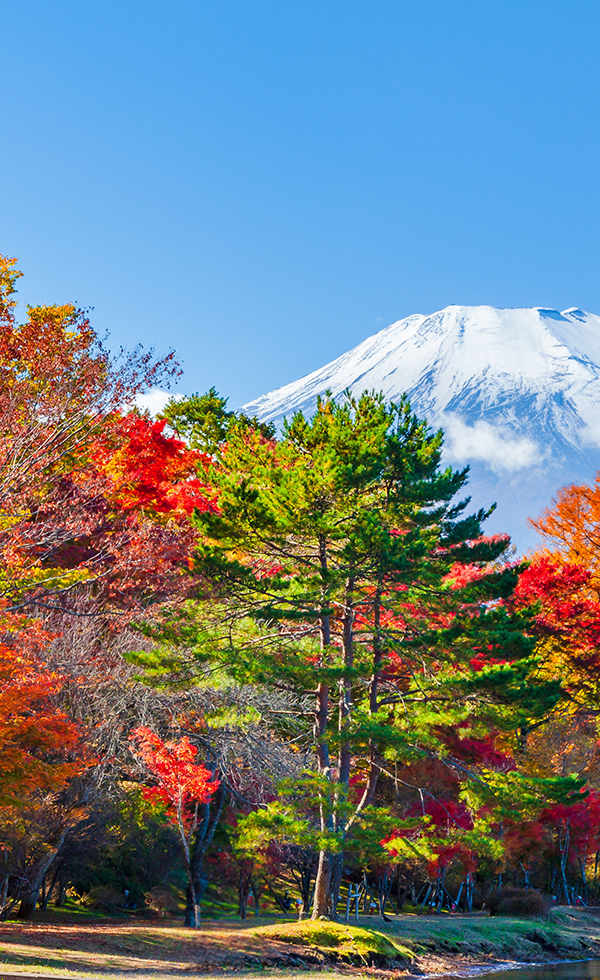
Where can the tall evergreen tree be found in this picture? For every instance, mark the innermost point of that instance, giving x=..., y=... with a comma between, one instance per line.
x=339, y=564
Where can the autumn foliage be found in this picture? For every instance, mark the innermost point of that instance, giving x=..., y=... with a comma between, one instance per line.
x=181, y=781
x=41, y=748
x=571, y=528
x=265, y=656
x=182, y=784
x=94, y=504
x=149, y=470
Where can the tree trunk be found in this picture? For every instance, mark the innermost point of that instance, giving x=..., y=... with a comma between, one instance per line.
x=305, y=889
x=564, y=856
x=469, y=891
x=193, y=910
x=62, y=893
x=321, y=900
x=256, y=891
x=345, y=702
x=211, y=813
x=322, y=692
x=323, y=877
x=28, y=904
x=52, y=885
x=43, y=902
x=366, y=894
x=30, y=898
x=4, y=891
x=243, y=895
x=337, y=870
x=374, y=756
x=192, y=906
x=329, y=873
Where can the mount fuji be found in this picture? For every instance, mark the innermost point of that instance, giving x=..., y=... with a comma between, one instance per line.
x=516, y=391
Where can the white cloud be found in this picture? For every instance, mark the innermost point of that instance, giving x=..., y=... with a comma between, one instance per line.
x=155, y=400
x=497, y=446
x=590, y=436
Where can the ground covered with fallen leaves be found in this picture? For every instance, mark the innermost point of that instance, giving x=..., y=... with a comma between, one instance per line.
x=142, y=949
x=63, y=946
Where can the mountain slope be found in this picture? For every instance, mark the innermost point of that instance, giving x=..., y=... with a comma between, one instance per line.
x=516, y=391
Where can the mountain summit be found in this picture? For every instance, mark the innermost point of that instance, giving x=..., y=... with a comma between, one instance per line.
x=517, y=392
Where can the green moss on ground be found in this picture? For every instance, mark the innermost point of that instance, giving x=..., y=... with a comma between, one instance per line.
x=563, y=935
x=350, y=944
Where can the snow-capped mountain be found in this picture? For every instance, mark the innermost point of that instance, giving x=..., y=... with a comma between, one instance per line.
x=516, y=391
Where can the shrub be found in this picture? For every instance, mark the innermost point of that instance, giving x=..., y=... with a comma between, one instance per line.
x=518, y=902
x=162, y=900
x=104, y=897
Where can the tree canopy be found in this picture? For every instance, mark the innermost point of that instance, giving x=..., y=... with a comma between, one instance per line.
x=234, y=659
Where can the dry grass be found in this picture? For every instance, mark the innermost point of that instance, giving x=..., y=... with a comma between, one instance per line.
x=133, y=949
x=138, y=949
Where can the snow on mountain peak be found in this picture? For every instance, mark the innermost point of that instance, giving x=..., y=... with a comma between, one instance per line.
x=517, y=391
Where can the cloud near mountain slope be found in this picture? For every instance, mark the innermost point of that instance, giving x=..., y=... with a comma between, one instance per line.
x=517, y=392
x=483, y=442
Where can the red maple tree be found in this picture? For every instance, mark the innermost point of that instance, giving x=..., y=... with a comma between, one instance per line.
x=182, y=784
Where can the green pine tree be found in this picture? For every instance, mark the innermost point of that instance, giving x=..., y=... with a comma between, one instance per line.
x=333, y=566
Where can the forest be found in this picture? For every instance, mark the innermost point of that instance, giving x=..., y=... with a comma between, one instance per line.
x=245, y=670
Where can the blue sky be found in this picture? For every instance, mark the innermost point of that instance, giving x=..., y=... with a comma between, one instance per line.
x=261, y=185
